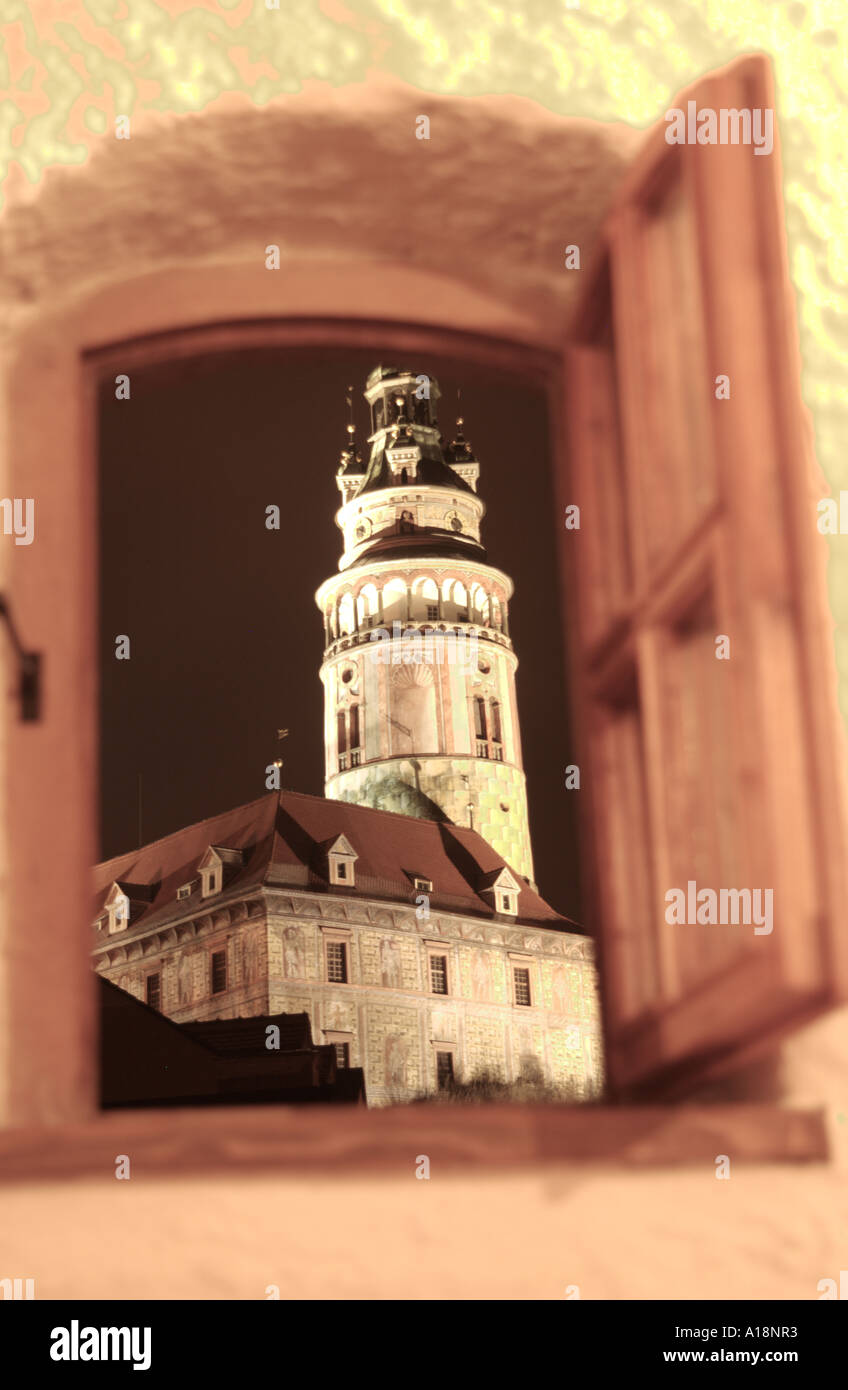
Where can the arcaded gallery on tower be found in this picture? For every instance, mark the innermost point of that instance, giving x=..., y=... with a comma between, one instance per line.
x=399, y=912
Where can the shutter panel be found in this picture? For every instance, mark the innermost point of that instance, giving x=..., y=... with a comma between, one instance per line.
x=698, y=521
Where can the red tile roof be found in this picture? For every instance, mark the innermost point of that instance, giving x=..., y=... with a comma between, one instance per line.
x=282, y=835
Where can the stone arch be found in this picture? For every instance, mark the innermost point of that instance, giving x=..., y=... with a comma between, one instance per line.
x=424, y=593
x=347, y=614
x=369, y=599
x=395, y=600
x=479, y=604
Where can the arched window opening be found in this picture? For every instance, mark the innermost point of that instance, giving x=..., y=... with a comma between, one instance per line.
x=480, y=732
x=355, y=751
x=341, y=735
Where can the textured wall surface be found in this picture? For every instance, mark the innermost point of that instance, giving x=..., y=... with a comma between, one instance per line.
x=765, y=1233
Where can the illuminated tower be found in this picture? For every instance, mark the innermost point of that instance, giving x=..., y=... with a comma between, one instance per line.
x=418, y=669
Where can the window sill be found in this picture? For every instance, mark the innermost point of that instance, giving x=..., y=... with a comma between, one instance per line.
x=166, y=1143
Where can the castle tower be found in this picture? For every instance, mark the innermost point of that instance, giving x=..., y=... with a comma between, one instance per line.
x=419, y=670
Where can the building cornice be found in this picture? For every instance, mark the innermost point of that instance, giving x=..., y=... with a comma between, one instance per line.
x=283, y=901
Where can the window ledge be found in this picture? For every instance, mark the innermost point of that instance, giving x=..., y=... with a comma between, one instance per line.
x=166, y=1143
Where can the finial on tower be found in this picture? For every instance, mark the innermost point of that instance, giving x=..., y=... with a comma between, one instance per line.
x=460, y=448
x=349, y=457
x=281, y=734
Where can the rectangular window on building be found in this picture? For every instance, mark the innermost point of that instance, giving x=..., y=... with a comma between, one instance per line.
x=337, y=962
x=341, y=727
x=496, y=721
x=342, y=1055
x=439, y=974
x=432, y=610
x=154, y=991
x=354, y=726
x=341, y=869
x=219, y=972
x=522, y=985
x=444, y=1070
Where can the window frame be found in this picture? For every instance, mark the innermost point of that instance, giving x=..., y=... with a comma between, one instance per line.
x=157, y=976
x=519, y=968
x=441, y=1049
x=218, y=954
x=167, y=314
x=337, y=937
x=433, y=957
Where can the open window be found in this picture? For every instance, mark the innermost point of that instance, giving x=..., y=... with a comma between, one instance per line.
x=702, y=660
x=657, y=567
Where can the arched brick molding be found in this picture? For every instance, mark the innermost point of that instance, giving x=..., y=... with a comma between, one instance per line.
x=112, y=267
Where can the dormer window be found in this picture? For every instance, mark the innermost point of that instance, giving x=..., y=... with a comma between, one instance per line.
x=422, y=885
x=218, y=867
x=117, y=907
x=185, y=891
x=341, y=858
x=211, y=879
x=500, y=890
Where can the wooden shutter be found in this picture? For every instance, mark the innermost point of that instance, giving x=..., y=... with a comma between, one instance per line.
x=698, y=520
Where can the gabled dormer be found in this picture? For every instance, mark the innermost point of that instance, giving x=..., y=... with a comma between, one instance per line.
x=500, y=890
x=117, y=906
x=124, y=903
x=218, y=868
x=341, y=858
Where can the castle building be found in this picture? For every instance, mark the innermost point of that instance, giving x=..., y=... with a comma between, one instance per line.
x=412, y=946
x=398, y=912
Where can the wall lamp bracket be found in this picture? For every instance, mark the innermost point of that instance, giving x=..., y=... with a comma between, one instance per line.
x=29, y=670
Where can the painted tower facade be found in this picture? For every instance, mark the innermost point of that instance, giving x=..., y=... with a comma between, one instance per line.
x=419, y=670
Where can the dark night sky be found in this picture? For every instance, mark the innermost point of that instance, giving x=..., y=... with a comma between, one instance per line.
x=226, y=639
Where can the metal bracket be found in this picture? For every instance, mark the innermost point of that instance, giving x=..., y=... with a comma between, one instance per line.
x=29, y=668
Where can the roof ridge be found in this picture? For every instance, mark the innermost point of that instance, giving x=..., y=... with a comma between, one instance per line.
x=193, y=825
